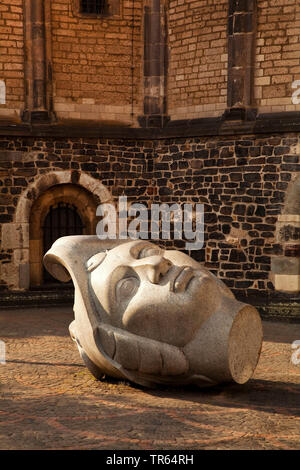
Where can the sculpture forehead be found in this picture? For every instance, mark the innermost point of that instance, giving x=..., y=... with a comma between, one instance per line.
x=103, y=264
x=127, y=254
x=124, y=254
x=118, y=253
x=132, y=248
x=130, y=251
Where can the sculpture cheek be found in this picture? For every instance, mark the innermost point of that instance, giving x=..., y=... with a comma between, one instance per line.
x=159, y=322
x=138, y=321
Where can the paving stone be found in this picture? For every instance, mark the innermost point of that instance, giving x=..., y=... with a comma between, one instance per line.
x=49, y=400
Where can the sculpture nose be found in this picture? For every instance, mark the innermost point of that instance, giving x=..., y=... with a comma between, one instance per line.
x=154, y=267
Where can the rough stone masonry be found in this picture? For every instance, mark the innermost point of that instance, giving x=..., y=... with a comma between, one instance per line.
x=179, y=101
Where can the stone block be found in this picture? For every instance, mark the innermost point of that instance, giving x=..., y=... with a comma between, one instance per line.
x=15, y=236
x=283, y=265
x=24, y=276
x=10, y=275
x=288, y=283
x=21, y=256
x=288, y=232
x=11, y=156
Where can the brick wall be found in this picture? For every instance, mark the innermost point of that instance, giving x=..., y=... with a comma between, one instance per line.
x=92, y=60
x=197, y=82
x=11, y=57
x=277, y=54
x=241, y=181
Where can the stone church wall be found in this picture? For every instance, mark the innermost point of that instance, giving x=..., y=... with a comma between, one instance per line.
x=277, y=63
x=242, y=182
x=11, y=59
x=97, y=64
x=197, y=80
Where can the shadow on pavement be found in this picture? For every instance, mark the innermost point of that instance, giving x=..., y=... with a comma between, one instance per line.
x=260, y=395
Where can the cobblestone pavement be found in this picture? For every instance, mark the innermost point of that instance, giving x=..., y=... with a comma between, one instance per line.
x=49, y=400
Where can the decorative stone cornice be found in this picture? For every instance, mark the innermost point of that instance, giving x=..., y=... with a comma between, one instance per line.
x=263, y=124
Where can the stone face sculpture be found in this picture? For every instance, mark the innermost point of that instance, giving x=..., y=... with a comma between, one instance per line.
x=154, y=316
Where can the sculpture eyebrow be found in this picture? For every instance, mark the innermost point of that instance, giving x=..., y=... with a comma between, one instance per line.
x=135, y=250
x=95, y=261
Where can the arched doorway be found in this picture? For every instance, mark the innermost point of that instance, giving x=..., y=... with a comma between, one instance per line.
x=21, y=235
x=62, y=210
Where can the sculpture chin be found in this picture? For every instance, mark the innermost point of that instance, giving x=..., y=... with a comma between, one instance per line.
x=134, y=322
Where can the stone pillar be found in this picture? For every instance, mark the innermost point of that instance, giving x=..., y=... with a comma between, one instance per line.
x=155, y=64
x=15, y=237
x=37, y=62
x=286, y=269
x=241, y=56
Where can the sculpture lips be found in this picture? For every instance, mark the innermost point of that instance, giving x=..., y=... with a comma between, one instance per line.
x=182, y=279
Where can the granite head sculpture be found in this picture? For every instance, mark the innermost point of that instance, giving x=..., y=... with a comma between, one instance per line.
x=154, y=316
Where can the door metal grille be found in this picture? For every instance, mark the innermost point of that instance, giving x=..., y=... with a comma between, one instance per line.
x=62, y=220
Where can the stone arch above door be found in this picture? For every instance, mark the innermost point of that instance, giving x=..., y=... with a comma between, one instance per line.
x=285, y=269
x=54, y=178
x=15, y=235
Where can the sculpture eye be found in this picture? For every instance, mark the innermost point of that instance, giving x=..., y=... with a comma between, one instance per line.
x=149, y=251
x=126, y=288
